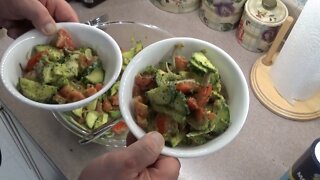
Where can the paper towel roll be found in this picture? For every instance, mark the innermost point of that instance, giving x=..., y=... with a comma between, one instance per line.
x=296, y=71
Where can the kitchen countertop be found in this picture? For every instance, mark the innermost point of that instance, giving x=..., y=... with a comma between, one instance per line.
x=264, y=149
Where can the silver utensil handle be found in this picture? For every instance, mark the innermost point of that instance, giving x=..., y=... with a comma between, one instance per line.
x=98, y=133
x=12, y=129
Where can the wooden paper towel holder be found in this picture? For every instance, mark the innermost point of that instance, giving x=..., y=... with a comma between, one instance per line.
x=265, y=91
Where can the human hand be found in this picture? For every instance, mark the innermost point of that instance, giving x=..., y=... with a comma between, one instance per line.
x=139, y=161
x=19, y=16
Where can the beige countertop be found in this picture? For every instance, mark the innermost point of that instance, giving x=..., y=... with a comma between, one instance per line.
x=265, y=148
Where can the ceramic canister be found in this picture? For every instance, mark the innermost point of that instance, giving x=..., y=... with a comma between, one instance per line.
x=221, y=15
x=260, y=23
x=177, y=6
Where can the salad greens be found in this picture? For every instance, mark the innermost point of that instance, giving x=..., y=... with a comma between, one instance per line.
x=183, y=99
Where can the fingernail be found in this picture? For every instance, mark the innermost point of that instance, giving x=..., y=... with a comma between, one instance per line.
x=157, y=138
x=50, y=28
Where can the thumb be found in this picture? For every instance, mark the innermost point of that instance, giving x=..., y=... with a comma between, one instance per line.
x=40, y=18
x=143, y=152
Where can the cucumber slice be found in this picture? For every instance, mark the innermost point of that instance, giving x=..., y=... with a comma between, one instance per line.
x=222, y=120
x=202, y=60
x=96, y=76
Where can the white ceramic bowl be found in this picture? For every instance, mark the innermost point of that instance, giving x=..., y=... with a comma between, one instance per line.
x=231, y=75
x=83, y=36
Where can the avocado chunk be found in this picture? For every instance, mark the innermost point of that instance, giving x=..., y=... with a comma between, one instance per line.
x=54, y=53
x=176, y=116
x=96, y=76
x=164, y=78
x=36, y=91
x=92, y=105
x=47, y=74
x=91, y=118
x=78, y=112
x=67, y=69
x=162, y=95
x=180, y=104
x=102, y=119
x=128, y=55
x=167, y=100
x=114, y=89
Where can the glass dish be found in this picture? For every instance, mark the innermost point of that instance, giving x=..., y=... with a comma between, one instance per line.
x=122, y=32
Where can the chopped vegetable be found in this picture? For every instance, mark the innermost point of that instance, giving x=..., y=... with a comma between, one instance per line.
x=55, y=73
x=185, y=104
x=120, y=128
x=105, y=108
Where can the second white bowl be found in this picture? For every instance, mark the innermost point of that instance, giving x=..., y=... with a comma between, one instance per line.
x=231, y=75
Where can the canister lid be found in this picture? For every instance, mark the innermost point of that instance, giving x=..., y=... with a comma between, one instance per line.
x=269, y=12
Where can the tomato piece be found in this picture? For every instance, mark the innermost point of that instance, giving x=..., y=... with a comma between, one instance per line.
x=140, y=108
x=64, y=40
x=32, y=75
x=59, y=99
x=145, y=82
x=203, y=95
x=192, y=103
x=187, y=87
x=83, y=61
x=106, y=105
x=90, y=91
x=181, y=63
x=71, y=94
x=98, y=86
x=211, y=115
x=99, y=107
x=34, y=60
x=162, y=122
x=141, y=112
x=120, y=128
x=114, y=100
x=200, y=114
x=138, y=99
x=136, y=90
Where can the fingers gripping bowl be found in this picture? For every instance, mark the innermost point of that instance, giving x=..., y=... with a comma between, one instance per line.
x=83, y=36
x=231, y=77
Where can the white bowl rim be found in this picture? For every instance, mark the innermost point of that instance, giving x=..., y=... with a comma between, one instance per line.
x=195, y=151
x=68, y=106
